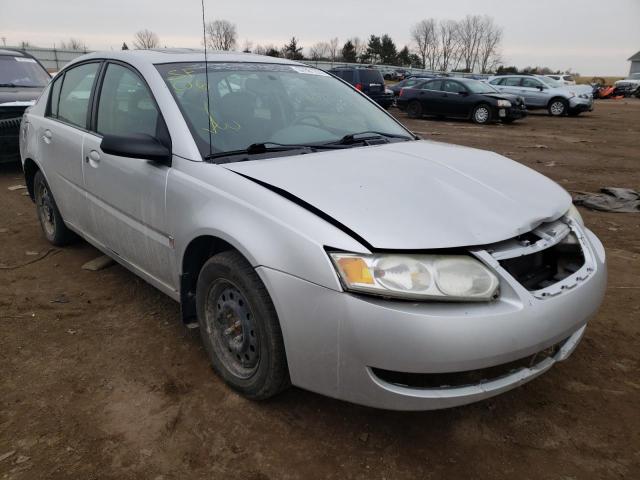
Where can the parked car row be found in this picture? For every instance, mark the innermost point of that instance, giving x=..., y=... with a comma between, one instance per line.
x=369, y=81
x=504, y=98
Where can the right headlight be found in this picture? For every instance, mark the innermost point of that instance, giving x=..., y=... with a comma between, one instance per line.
x=574, y=215
x=417, y=277
x=504, y=104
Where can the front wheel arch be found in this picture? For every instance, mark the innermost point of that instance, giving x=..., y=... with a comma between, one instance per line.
x=30, y=168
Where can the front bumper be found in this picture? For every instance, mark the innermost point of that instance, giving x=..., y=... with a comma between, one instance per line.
x=512, y=113
x=384, y=100
x=578, y=104
x=334, y=340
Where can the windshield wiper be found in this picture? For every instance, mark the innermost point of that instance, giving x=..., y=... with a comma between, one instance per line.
x=351, y=137
x=266, y=147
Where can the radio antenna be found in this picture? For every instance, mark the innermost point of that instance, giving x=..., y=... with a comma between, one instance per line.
x=206, y=77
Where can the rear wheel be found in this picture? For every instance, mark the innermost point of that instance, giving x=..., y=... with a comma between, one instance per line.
x=240, y=328
x=53, y=227
x=481, y=114
x=414, y=109
x=558, y=107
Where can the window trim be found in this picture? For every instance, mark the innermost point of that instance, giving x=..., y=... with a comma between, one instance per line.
x=93, y=121
x=63, y=72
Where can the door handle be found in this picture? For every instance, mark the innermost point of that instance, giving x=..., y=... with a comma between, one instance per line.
x=93, y=158
x=47, y=136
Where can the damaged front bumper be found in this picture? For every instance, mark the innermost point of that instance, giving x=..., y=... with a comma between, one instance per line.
x=420, y=356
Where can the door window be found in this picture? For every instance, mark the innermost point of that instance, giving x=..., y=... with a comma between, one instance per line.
x=531, y=83
x=54, y=97
x=432, y=85
x=453, y=87
x=126, y=105
x=75, y=93
x=512, y=82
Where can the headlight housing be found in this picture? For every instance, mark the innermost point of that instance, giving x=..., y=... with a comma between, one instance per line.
x=574, y=215
x=504, y=104
x=417, y=277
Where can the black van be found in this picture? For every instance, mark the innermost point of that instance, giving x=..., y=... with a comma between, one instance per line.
x=368, y=80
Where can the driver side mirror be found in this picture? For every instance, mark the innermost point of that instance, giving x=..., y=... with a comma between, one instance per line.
x=136, y=145
x=541, y=87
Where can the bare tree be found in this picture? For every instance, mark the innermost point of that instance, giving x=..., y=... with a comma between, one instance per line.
x=423, y=34
x=4, y=41
x=248, y=46
x=318, y=51
x=221, y=35
x=24, y=44
x=359, y=46
x=470, y=29
x=489, y=51
x=145, y=40
x=73, y=44
x=333, y=48
x=260, y=50
x=449, y=45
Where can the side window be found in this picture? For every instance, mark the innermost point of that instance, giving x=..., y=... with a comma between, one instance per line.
x=432, y=85
x=54, y=97
x=530, y=83
x=453, y=87
x=498, y=81
x=512, y=82
x=75, y=93
x=126, y=105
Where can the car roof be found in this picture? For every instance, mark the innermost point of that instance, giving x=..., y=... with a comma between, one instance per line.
x=178, y=55
x=12, y=53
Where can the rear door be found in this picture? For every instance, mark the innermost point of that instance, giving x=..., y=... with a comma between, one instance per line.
x=61, y=137
x=430, y=94
x=127, y=195
x=510, y=85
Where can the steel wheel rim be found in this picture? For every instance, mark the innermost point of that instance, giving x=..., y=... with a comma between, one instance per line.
x=231, y=328
x=45, y=210
x=557, y=108
x=482, y=115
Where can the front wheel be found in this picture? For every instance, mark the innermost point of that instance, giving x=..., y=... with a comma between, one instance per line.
x=240, y=328
x=558, y=107
x=51, y=222
x=481, y=114
x=414, y=109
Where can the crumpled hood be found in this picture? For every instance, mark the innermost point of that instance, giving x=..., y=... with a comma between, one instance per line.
x=515, y=99
x=417, y=195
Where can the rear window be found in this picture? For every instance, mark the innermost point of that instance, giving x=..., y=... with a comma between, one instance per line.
x=370, y=76
x=569, y=78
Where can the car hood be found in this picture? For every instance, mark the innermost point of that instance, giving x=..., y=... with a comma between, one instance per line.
x=415, y=195
x=17, y=94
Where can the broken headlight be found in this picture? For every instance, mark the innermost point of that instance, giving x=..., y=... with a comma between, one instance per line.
x=574, y=215
x=417, y=277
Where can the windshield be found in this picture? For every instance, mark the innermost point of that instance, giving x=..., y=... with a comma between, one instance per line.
x=251, y=103
x=476, y=86
x=22, y=72
x=634, y=76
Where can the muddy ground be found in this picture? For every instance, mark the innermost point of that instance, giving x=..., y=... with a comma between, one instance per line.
x=99, y=381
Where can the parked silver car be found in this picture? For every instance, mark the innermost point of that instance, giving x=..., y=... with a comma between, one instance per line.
x=541, y=92
x=311, y=237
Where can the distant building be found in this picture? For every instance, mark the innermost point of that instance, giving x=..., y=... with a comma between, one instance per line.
x=635, y=63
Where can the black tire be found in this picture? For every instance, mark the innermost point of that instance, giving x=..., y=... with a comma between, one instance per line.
x=240, y=328
x=51, y=222
x=558, y=107
x=482, y=114
x=414, y=109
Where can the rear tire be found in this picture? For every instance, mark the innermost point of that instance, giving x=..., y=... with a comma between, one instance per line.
x=414, y=109
x=51, y=222
x=240, y=328
x=481, y=114
x=558, y=107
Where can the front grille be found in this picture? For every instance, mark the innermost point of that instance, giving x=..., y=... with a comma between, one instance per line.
x=546, y=267
x=466, y=378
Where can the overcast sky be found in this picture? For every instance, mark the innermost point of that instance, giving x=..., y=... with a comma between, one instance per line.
x=588, y=36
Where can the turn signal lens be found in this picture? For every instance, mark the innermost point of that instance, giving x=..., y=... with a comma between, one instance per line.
x=355, y=270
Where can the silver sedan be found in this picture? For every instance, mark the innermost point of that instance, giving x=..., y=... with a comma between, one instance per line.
x=311, y=238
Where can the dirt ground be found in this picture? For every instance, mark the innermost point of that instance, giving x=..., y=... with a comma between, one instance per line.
x=98, y=379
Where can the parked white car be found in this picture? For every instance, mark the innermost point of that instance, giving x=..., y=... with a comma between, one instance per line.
x=566, y=79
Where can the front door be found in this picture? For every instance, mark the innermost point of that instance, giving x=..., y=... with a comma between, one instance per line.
x=127, y=195
x=455, y=100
